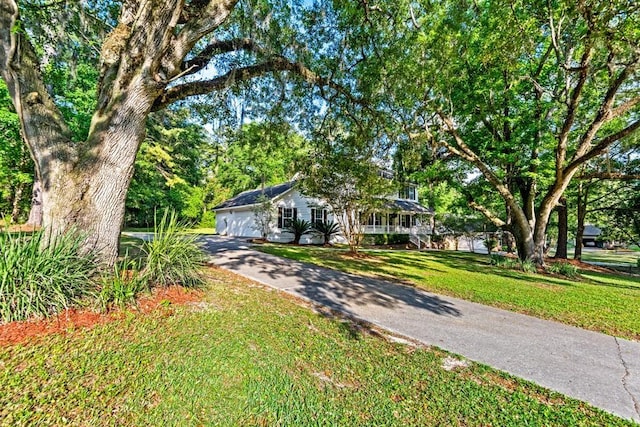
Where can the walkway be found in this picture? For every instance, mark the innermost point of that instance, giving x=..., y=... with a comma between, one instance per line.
x=593, y=367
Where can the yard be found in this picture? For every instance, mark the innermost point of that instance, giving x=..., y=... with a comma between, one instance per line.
x=245, y=355
x=603, y=302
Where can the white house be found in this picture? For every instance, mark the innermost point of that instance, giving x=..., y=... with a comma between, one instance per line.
x=235, y=217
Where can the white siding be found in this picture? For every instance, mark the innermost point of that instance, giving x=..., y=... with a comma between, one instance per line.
x=236, y=222
x=240, y=222
x=304, y=205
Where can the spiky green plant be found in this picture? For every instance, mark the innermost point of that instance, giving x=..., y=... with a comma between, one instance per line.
x=326, y=229
x=173, y=257
x=37, y=282
x=563, y=268
x=121, y=286
x=298, y=228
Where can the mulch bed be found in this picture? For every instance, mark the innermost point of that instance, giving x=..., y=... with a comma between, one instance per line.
x=582, y=265
x=74, y=319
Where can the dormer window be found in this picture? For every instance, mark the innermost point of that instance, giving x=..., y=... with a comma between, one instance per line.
x=408, y=192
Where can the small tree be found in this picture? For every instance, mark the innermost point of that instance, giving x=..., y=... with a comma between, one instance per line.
x=299, y=227
x=263, y=215
x=326, y=229
x=343, y=174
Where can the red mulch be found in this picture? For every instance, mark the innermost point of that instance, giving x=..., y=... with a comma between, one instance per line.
x=74, y=319
x=582, y=265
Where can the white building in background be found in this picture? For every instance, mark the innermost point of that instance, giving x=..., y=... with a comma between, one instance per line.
x=234, y=217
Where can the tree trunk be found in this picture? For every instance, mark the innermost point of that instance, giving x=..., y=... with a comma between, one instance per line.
x=35, y=213
x=582, y=214
x=89, y=196
x=561, y=250
x=523, y=236
x=17, y=198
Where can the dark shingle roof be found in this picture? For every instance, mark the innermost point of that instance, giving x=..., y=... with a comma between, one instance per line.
x=409, y=206
x=251, y=197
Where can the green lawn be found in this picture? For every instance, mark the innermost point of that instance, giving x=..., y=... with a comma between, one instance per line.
x=624, y=257
x=600, y=302
x=250, y=356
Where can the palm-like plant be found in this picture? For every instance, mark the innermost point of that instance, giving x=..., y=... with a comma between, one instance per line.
x=326, y=229
x=299, y=227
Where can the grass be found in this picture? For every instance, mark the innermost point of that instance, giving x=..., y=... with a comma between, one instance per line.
x=628, y=257
x=622, y=257
x=249, y=356
x=601, y=302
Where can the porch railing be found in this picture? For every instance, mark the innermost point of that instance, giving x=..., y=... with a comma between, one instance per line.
x=396, y=229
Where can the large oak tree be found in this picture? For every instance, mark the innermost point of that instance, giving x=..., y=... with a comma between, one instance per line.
x=152, y=57
x=524, y=92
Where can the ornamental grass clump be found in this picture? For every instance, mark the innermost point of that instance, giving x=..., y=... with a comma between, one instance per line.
x=37, y=281
x=564, y=269
x=121, y=286
x=172, y=256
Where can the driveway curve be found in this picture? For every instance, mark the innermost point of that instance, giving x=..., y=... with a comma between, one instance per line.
x=599, y=369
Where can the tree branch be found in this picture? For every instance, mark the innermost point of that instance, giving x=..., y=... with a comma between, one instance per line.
x=563, y=137
x=217, y=47
x=611, y=176
x=605, y=113
x=495, y=220
x=204, y=16
x=602, y=146
x=43, y=127
x=276, y=63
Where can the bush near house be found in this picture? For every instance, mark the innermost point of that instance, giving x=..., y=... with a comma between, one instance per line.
x=386, y=239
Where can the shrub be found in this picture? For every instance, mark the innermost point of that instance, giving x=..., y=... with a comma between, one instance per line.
x=326, y=229
x=563, y=268
x=208, y=220
x=121, y=287
x=504, y=262
x=638, y=262
x=172, y=257
x=528, y=266
x=40, y=282
x=299, y=227
x=490, y=243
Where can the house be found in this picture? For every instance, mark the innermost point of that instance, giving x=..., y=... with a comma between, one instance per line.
x=590, y=235
x=234, y=217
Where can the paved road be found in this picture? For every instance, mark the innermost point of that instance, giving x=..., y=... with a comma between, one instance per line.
x=593, y=367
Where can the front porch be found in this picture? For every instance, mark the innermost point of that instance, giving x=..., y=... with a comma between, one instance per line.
x=397, y=223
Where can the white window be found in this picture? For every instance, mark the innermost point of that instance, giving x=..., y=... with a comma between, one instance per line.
x=318, y=216
x=374, y=219
x=287, y=217
x=408, y=192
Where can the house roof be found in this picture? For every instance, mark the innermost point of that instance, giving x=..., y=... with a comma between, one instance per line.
x=409, y=206
x=591, y=230
x=251, y=197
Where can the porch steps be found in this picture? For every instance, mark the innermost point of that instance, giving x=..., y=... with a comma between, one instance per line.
x=421, y=241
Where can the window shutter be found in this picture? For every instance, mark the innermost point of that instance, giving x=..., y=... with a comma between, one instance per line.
x=313, y=216
x=295, y=213
x=279, y=217
x=325, y=215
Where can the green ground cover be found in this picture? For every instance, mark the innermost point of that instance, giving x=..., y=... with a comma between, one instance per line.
x=249, y=356
x=601, y=302
x=623, y=257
